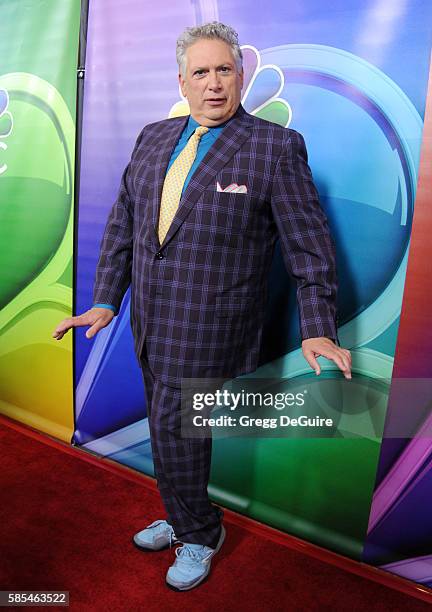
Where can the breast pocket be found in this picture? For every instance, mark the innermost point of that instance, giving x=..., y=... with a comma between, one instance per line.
x=231, y=211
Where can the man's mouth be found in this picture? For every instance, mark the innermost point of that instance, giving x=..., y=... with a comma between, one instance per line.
x=215, y=101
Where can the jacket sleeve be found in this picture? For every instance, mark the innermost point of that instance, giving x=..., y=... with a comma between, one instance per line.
x=307, y=247
x=113, y=270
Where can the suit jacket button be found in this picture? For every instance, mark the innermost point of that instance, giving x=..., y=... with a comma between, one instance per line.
x=159, y=255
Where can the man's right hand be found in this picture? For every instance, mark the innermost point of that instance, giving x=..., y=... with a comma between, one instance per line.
x=96, y=318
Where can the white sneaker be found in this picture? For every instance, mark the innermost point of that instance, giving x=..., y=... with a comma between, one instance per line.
x=156, y=536
x=192, y=564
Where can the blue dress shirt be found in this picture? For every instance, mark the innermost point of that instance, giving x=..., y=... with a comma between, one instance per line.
x=204, y=145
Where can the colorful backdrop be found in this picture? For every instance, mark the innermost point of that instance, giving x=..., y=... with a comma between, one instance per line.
x=38, y=60
x=400, y=525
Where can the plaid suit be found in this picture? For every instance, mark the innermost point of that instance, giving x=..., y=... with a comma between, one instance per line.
x=198, y=300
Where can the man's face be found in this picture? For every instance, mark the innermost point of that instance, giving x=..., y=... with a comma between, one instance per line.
x=212, y=84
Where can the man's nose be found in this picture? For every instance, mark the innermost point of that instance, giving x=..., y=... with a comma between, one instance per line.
x=214, y=80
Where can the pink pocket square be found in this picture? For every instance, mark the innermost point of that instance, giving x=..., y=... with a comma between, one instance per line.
x=233, y=188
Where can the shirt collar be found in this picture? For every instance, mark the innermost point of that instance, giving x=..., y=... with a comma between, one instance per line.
x=214, y=131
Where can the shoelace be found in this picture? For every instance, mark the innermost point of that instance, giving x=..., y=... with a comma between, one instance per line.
x=161, y=526
x=173, y=539
x=185, y=553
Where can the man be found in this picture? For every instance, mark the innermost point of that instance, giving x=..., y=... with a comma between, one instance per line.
x=197, y=258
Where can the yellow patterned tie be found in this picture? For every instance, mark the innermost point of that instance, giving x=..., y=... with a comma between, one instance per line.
x=174, y=181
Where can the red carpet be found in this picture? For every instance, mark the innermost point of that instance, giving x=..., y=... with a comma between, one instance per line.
x=67, y=522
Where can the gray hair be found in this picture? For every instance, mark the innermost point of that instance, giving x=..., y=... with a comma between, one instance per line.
x=215, y=29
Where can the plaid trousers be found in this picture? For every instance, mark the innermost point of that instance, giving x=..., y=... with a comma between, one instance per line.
x=182, y=465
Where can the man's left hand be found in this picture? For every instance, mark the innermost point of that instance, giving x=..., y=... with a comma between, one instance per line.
x=315, y=347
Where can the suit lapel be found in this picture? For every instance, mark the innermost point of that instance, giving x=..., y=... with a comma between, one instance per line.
x=229, y=141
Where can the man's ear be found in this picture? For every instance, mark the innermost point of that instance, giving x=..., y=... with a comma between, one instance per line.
x=241, y=73
x=182, y=84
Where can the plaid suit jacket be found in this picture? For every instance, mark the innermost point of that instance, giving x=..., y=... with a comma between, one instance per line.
x=198, y=300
